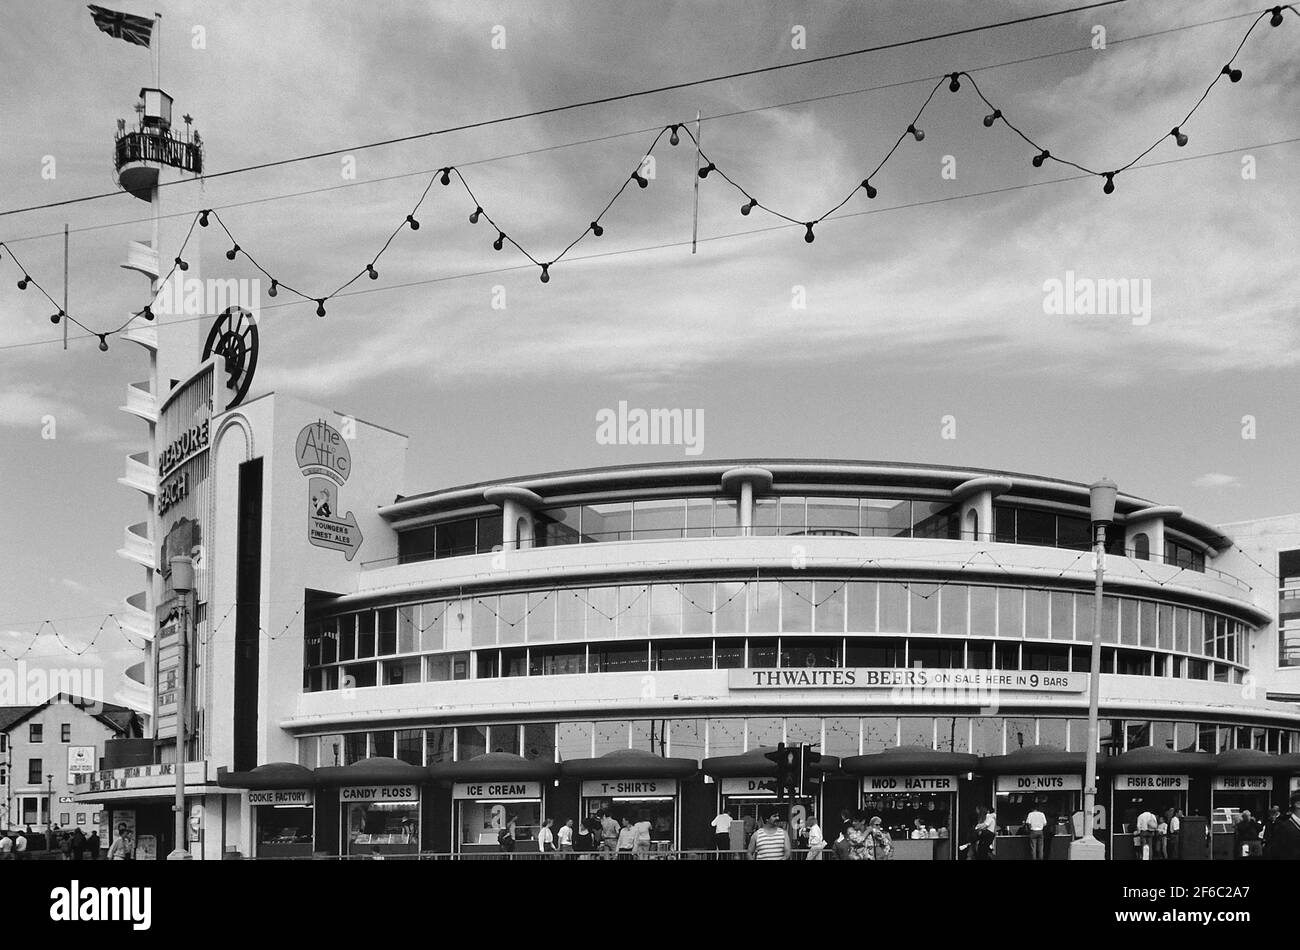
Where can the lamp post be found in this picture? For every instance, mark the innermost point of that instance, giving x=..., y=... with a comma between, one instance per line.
x=49, y=803
x=182, y=582
x=1102, y=502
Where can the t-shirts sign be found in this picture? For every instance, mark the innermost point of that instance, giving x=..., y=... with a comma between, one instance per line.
x=629, y=788
x=281, y=796
x=484, y=791
x=1040, y=783
x=909, y=783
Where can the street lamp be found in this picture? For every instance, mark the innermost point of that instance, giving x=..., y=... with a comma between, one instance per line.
x=182, y=582
x=49, y=802
x=1101, y=497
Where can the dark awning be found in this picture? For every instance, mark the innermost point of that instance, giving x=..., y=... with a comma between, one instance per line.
x=1033, y=760
x=493, y=766
x=373, y=771
x=629, y=763
x=755, y=764
x=1155, y=761
x=910, y=760
x=1254, y=762
x=271, y=775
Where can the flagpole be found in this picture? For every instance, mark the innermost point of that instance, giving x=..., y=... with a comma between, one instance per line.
x=65, y=286
x=695, y=215
x=157, y=50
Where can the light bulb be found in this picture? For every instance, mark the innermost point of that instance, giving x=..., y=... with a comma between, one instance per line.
x=230, y=254
x=954, y=85
x=320, y=307
x=22, y=283
x=641, y=182
x=147, y=312
x=749, y=206
x=273, y=291
x=1041, y=157
x=56, y=317
x=916, y=133
x=992, y=117
x=1276, y=18
x=370, y=269
x=203, y=219
x=1179, y=137
x=596, y=229
x=808, y=235
x=704, y=172
x=674, y=139
x=871, y=189
x=500, y=241
x=103, y=344
x=415, y=225
x=446, y=176
x=181, y=264
x=546, y=274
x=473, y=218
x=1233, y=74
x=1109, y=187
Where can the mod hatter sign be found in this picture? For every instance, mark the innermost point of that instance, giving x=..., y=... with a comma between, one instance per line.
x=324, y=458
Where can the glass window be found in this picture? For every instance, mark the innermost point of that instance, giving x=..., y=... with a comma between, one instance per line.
x=1133, y=663
x=347, y=637
x=730, y=654
x=556, y=661
x=1110, y=620
x=636, y=606
x=841, y=736
x=439, y=742
x=828, y=606
x=936, y=654
x=916, y=731
x=861, y=607
x=1037, y=607
x=952, y=734
x=1011, y=612
x=833, y=516
x=1084, y=617
x=804, y=730
x=1054, y=732
x=1147, y=623
x=670, y=655
x=1004, y=524
x=539, y=741
x=726, y=518
x=483, y=621
x=875, y=653
x=1035, y=657
x=481, y=821
x=504, y=737
x=650, y=735
x=611, y=736
x=1196, y=632
x=796, y=606
x=618, y=658
x=726, y=737
x=924, y=599
x=410, y=746
x=1062, y=615
x=886, y=517
x=602, y=612
x=729, y=615
x=1073, y=533
x=954, y=602
x=406, y=629
x=1035, y=527
x=793, y=515
x=686, y=738
x=660, y=518
x=1165, y=625
x=415, y=545
x=354, y=747
x=514, y=662
x=607, y=522
x=1006, y=656
x=456, y=538
x=406, y=670
x=799, y=652
x=697, y=608
x=1162, y=735
x=35, y=732
x=983, y=612
x=365, y=635
x=360, y=675
x=570, y=615
x=383, y=827
x=764, y=732
x=764, y=601
x=540, y=622
x=489, y=534
x=1137, y=735
x=893, y=607
x=555, y=526
x=765, y=516
x=573, y=740
x=699, y=517
x=432, y=630
x=762, y=653
x=1021, y=733
x=936, y=519
x=511, y=609
x=879, y=733
x=979, y=656
x=1128, y=622
x=488, y=664
x=448, y=666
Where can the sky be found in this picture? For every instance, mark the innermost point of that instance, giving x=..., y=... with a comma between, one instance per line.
x=922, y=336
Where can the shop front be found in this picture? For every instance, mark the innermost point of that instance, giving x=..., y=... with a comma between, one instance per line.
x=1159, y=782
x=1243, y=782
x=915, y=793
x=1036, y=779
x=637, y=785
x=492, y=793
x=745, y=788
x=379, y=806
x=282, y=799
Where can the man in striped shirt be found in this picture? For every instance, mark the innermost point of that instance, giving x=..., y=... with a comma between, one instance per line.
x=770, y=842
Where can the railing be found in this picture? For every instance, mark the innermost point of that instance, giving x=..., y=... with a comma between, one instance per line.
x=163, y=149
x=523, y=855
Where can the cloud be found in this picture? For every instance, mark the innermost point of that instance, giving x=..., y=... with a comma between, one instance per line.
x=1217, y=480
x=39, y=409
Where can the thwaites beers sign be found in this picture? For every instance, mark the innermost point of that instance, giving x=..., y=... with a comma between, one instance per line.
x=904, y=679
x=182, y=519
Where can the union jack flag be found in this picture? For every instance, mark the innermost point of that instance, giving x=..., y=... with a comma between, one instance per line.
x=124, y=26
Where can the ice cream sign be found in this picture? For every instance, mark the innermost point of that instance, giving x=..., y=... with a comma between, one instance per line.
x=325, y=460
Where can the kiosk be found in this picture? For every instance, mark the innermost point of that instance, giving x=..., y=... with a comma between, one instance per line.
x=914, y=791
x=282, y=800
x=492, y=792
x=1243, y=781
x=637, y=784
x=379, y=806
x=1159, y=781
x=1043, y=777
x=745, y=787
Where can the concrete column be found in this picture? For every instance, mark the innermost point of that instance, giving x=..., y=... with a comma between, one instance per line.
x=509, y=515
x=746, y=508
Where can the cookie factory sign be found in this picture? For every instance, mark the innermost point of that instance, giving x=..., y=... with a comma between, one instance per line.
x=904, y=679
x=325, y=460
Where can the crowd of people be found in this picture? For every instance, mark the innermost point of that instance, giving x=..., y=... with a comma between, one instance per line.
x=601, y=834
x=1276, y=838
x=55, y=844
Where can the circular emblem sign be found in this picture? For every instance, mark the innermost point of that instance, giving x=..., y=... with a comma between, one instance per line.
x=234, y=336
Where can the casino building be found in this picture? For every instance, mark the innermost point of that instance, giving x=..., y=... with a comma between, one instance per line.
x=375, y=664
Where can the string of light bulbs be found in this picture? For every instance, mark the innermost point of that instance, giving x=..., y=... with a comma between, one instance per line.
x=595, y=227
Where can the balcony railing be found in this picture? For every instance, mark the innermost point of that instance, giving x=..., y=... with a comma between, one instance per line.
x=162, y=149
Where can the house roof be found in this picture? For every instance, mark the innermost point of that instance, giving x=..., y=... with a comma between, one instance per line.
x=117, y=718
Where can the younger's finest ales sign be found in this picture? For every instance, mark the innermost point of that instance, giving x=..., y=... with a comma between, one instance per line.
x=917, y=678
